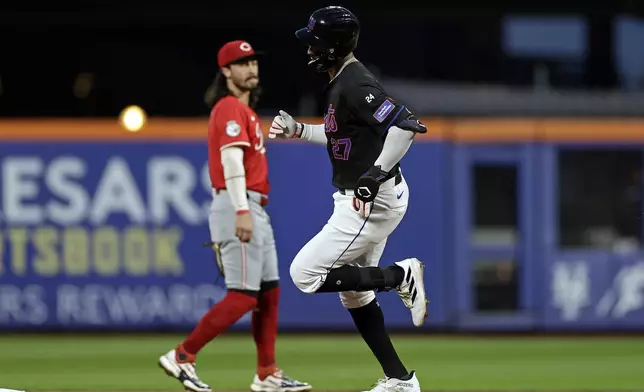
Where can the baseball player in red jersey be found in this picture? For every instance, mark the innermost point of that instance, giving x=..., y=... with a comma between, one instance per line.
x=240, y=228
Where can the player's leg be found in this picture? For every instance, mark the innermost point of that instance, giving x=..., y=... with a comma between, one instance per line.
x=370, y=323
x=269, y=377
x=368, y=316
x=412, y=289
x=323, y=264
x=406, y=276
x=242, y=268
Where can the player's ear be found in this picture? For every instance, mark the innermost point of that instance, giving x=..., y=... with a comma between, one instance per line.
x=226, y=72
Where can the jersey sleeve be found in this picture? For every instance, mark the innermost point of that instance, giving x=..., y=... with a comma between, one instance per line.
x=231, y=124
x=371, y=104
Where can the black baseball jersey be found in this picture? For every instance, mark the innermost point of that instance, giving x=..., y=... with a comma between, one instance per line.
x=359, y=112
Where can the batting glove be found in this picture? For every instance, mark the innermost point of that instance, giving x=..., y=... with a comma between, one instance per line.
x=363, y=208
x=284, y=126
x=368, y=184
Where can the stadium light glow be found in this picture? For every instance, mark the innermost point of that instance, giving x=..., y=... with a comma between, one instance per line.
x=133, y=118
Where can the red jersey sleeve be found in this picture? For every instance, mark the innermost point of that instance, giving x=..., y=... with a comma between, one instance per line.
x=231, y=125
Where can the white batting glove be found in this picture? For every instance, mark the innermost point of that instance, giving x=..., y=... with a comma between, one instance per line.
x=362, y=207
x=284, y=126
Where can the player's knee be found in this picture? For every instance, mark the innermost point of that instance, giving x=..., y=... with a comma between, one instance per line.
x=244, y=300
x=249, y=293
x=355, y=299
x=303, y=278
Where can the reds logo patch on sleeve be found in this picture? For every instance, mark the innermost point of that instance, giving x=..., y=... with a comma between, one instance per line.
x=383, y=110
x=232, y=128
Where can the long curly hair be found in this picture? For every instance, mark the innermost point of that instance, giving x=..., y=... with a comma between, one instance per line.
x=219, y=89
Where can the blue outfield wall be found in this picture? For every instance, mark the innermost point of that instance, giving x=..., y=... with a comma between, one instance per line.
x=110, y=237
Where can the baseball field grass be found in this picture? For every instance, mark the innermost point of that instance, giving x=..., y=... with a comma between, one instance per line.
x=328, y=362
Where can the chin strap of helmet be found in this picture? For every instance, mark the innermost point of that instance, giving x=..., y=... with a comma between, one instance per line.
x=325, y=60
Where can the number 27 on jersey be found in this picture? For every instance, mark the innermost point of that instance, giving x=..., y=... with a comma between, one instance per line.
x=341, y=148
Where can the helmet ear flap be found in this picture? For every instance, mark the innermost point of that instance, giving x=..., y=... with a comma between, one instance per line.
x=331, y=54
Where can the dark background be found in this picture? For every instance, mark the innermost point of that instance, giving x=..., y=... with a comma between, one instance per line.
x=162, y=57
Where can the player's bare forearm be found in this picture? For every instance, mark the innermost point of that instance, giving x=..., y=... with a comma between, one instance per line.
x=314, y=133
x=395, y=147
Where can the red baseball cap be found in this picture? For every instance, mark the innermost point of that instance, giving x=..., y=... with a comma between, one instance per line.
x=234, y=51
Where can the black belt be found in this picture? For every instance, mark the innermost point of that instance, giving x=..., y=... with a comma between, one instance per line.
x=263, y=199
x=398, y=180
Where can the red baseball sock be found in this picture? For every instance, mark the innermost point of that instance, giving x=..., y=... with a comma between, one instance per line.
x=264, y=325
x=218, y=319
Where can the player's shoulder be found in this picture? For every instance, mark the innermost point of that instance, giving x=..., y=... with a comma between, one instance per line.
x=362, y=87
x=228, y=115
x=358, y=75
x=359, y=79
x=228, y=103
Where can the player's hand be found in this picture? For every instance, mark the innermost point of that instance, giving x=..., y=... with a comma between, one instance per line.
x=368, y=184
x=284, y=126
x=362, y=207
x=244, y=227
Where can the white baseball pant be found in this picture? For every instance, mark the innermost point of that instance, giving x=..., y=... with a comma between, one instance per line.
x=349, y=238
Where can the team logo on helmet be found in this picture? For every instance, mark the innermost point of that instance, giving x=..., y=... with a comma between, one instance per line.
x=311, y=24
x=245, y=46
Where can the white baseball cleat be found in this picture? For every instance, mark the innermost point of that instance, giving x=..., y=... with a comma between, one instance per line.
x=412, y=289
x=278, y=382
x=394, y=385
x=182, y=366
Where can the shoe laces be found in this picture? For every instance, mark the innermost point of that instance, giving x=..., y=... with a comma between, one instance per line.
x=381, y=384
x=406, y=298
x=195, y=378
x=286, y=378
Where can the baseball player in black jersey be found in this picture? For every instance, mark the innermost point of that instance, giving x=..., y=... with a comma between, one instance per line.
x=366, y=132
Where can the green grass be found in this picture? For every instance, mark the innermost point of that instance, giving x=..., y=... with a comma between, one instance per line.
x=328, y=362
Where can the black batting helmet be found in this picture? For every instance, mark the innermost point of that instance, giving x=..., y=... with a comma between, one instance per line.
x=332, y=33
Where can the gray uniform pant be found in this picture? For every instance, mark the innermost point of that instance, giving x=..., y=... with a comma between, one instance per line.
x=246, y=265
